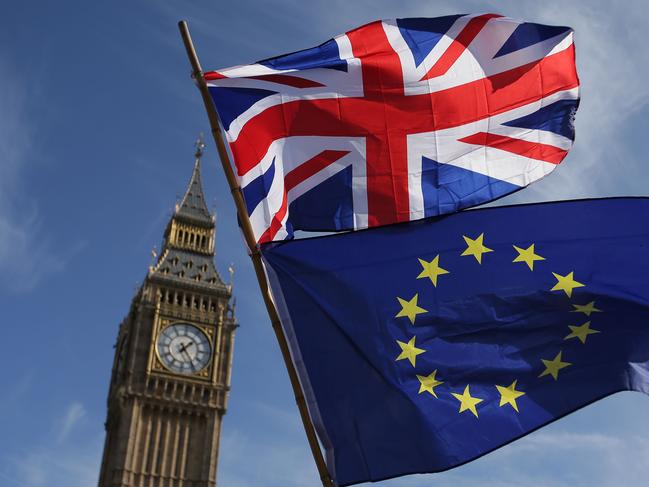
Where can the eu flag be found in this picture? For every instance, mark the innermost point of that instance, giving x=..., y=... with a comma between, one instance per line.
x=422, y=346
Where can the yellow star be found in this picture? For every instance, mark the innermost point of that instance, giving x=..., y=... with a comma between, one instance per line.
x=552, y=367
x=467, y=401
x=475, y=247
x=566, y=283
x=527, y=255
x=508, y=395
x=581, y=332
x=427, y=383
x=410, y=309
x=432, y=270
x=409, y=351
x=587, y=309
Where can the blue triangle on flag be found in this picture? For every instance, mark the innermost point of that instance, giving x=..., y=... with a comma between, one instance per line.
x=447, y=188
x=326, y=55
x=257, y=190
x=527, y=34
x=330, y=204
x=232, y=102
x=422, y=34
x=556, y=117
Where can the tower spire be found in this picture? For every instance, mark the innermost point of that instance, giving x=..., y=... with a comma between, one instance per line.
x=171, y=374
x=193, y=205
x=200, y=146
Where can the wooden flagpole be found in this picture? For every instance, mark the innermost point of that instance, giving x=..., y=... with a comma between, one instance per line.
x=255, y=255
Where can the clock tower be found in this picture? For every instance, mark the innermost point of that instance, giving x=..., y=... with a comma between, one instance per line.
x=171, y=374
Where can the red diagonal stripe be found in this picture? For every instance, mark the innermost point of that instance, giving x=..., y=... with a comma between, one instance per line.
x=295, y=177
x=533, y=150
x=276, y=223
x=212, y=75
x=360, y=117
x=284, y=79
x=311, y=167
x=459, y=45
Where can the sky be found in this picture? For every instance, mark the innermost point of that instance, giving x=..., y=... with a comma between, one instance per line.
x=98, y=117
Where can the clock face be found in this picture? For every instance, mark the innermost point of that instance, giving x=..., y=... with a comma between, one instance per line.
x=184, y=348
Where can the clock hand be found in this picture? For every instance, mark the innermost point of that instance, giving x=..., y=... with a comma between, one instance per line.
x=184, y=350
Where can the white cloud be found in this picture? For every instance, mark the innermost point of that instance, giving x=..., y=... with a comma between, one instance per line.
x=75, y=413
x=613, y=73
x=596, y=458
x=26, y=254
x=74, y=466
x=556, y=459
x=282, y=459
x=66, y=457
x=568, y=440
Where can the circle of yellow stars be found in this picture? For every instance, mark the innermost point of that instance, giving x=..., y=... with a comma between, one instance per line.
x=476, y=248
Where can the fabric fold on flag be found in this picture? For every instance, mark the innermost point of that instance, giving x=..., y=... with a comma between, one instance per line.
x=398, y=120
x=423, y=345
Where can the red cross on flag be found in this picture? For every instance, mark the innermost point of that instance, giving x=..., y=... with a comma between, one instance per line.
x=398, y=120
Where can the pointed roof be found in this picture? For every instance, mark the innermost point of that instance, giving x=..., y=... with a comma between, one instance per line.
x=178, y=266
x=193, y=205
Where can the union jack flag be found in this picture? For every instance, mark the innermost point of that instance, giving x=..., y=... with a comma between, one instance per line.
x=398, y=120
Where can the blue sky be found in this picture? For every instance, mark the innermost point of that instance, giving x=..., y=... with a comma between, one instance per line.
x=98, y=118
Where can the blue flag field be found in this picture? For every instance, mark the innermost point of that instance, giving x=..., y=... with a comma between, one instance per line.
x=424, y=345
